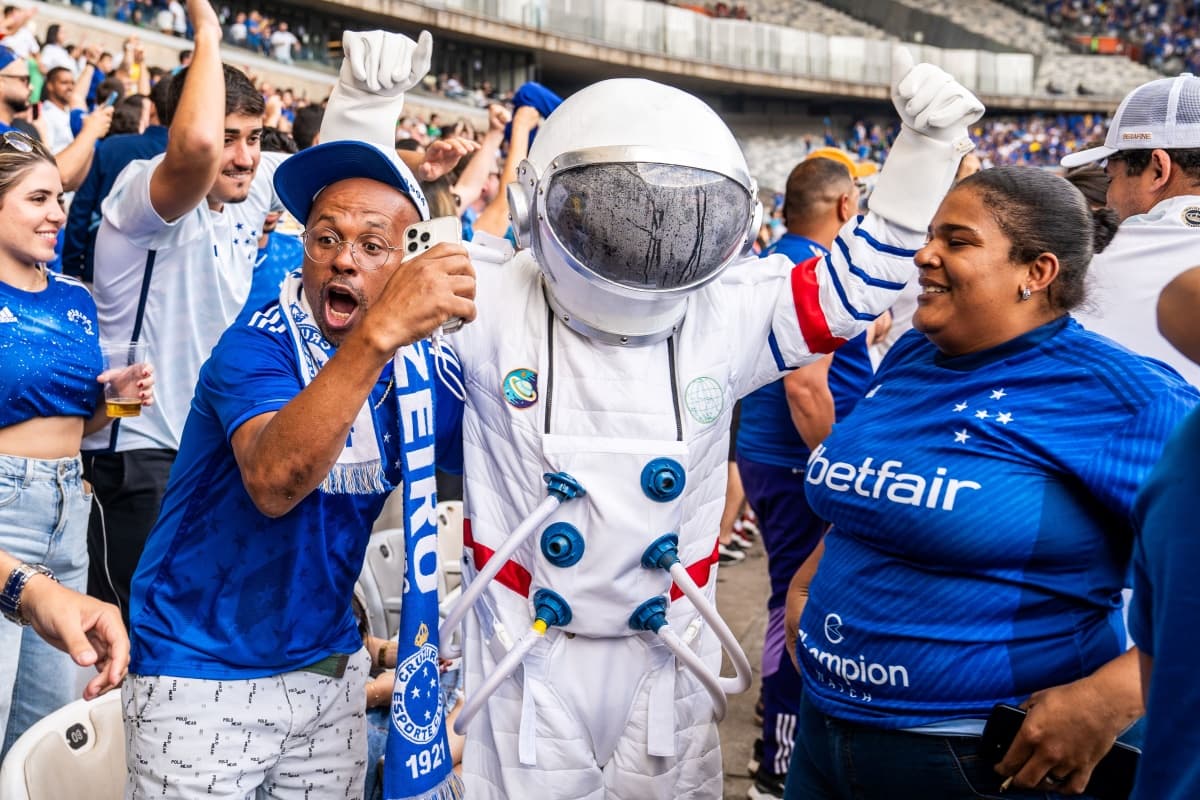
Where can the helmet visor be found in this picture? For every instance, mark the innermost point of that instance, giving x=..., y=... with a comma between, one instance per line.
x=645, y=225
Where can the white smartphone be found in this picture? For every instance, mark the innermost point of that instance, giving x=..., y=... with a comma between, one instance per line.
x=420, y=236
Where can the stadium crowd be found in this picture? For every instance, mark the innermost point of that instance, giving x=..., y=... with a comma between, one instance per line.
x=1165, y=34
x=1025, y=358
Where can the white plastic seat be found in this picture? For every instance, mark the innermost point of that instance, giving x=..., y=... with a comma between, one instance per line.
x=382, y=582
x=77, y=751
x=450, y=542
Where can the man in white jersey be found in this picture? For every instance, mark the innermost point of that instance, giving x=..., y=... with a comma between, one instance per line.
x=1152, y=155
x=173, y=265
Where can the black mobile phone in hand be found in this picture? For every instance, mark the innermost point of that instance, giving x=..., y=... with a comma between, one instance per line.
x=1111, y=780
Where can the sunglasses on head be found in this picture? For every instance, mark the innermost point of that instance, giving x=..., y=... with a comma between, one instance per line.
x=17, y=141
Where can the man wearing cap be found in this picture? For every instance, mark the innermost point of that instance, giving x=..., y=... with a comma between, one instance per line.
x=14, y=87
x=248, y=675
x=1152, y=155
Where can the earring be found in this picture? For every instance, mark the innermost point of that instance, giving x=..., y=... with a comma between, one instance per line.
x=1025, y=293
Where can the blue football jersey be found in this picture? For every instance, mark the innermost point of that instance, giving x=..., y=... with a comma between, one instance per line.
x=981, y=536
x=49, y=352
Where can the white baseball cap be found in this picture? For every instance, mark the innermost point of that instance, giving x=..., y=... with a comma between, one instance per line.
x=1162, y=114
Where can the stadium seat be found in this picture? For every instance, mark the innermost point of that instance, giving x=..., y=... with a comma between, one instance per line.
x=382, y=582
x=450, y=542
x=77, y=751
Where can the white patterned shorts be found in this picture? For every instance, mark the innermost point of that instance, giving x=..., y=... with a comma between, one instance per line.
x=294, y=736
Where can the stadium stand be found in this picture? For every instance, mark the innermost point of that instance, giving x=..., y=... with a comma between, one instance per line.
x=810, y=15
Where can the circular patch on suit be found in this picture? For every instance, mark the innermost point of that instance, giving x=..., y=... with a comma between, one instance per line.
x=1191, y=216
x=520, y=388
x=704, y=400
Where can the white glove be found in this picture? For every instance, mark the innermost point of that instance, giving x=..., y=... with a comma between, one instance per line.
x=930, y=101
x=378, y=68
x=935, y=110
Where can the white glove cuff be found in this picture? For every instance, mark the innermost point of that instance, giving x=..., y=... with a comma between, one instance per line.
x=360, y=115
x=916, y=176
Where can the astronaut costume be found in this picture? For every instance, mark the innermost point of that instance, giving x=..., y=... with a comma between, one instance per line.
x=600, y=378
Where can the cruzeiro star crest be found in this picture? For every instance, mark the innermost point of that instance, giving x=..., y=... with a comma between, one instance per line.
x=987, y=413
x=417, y=698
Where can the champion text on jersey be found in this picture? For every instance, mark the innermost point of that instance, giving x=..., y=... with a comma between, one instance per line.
x=887, y=481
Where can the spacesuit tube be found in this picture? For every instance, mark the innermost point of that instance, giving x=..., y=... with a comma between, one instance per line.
x=664, y=554
x=551, y=609
x=561, y=487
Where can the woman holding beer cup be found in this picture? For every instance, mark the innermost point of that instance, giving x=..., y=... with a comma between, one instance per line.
x=51, y=376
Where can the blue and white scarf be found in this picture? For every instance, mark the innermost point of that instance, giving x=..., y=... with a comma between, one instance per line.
x=418, y=765
x=359, y=467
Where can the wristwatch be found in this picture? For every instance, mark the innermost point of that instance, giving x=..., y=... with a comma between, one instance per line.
x=10, y=597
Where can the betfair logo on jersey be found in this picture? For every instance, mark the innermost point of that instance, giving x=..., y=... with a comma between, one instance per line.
x=887, y=481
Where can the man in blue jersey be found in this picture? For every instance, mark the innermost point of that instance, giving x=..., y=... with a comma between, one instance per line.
x=248, y=674
x=780, y=424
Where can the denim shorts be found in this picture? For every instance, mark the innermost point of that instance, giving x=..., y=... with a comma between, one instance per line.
x=43, y=520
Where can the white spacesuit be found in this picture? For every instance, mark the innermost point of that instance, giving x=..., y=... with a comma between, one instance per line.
x=609, y=351
x=600, y=379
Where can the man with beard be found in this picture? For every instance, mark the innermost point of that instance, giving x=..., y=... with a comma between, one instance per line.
x=174, y=258
x=248, y=675
x=14, y=88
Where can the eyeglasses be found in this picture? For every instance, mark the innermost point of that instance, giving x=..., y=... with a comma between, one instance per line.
x=1116, y=158
x=22, y=78
x=17, y=141
x=369, y=251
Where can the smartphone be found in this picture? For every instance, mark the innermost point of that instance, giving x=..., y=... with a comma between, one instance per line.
x=420, y=236
x=1111, y=780
x=111, y=100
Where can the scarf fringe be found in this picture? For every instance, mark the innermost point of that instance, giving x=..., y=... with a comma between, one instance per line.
x=365, y=477
x=450, y=789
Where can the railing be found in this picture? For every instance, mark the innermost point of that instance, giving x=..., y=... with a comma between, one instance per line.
x=661, y=29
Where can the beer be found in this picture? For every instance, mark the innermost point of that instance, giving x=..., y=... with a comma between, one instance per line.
x=123, y=406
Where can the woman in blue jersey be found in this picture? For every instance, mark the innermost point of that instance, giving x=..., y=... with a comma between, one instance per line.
x=979, y=499
x=49, y=394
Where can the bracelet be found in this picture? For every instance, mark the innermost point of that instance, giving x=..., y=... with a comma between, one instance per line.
x=382, y=655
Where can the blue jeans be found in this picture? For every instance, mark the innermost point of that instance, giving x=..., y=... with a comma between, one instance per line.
x=43, y=520
x=838, y=760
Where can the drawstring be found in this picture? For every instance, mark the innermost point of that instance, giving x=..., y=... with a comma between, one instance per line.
x=447, y=366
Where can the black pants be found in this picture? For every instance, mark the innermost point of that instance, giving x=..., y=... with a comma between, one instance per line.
x=129, y=490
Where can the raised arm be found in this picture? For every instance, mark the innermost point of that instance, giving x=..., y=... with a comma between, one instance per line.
x=197, y=137
x=494, y=218
x=474, y=176
x=75, y=159
x=836, y=298
x=284, y=455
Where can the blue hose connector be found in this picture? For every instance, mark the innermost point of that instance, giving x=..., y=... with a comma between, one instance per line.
x=562, y=544
x=663, y=552
x=550, y=607
x=563, y=486
x=663, y=479
x=650, y=615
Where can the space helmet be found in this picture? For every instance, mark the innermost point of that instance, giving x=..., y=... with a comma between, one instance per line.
x=634, y=195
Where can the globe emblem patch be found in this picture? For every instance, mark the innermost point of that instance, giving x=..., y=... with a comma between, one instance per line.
x=520, y=388
x=417, y=707
x=704, y=400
